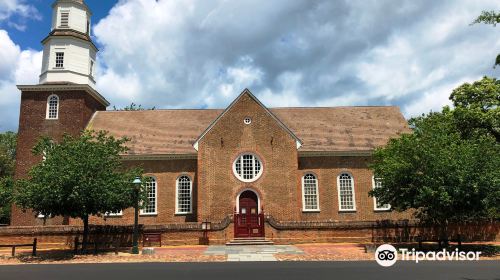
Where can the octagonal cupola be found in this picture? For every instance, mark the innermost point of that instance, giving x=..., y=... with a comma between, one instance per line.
x=69, y=54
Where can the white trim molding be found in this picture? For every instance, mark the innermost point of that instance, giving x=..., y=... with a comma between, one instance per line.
x=353, y=195
x=304, y=209
x=48, y=110
x=255, y=161
x=238, y=200
x=177, y=212
x=144, y=213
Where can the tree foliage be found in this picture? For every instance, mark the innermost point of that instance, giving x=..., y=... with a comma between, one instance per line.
x=489, y=17
x=448, y=169
x=7, y=164
x=133, y=107
x=477, y=108
x=80, y=177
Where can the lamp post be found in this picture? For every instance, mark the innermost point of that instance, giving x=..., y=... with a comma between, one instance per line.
x=137, y=185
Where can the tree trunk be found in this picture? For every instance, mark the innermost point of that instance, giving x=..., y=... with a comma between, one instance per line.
x=443, y=235
x=85, y=233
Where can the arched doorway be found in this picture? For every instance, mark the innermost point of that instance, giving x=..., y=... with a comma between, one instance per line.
x=248, y=222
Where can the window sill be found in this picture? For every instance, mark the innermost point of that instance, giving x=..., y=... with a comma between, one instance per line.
x=52, y=119
x=311, y=210
x=182, y=213
x=148, y=214
x=348, y=211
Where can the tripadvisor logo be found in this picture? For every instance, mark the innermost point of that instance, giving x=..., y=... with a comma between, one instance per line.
x=386, y=255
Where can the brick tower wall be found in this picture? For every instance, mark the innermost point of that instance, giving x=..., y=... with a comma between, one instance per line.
x=75, y=110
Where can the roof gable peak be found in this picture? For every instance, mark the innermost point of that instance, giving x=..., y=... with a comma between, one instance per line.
x=247, y=92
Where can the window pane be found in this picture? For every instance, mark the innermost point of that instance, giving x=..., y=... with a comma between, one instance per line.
x=151, y=191
x=184, y=194
x=310, y=192
x=247, y=167
x=52, y=107
x=346, y=192
x=59, y=60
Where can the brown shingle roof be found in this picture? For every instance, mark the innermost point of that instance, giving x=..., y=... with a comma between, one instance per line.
x=156, y=132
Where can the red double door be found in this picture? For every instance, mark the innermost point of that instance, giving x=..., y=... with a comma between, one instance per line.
x=248, y=222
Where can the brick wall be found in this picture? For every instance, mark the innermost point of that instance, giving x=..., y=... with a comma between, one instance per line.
x=229, y=138
x=166, y=173
x=75, y=110
x=327, y=169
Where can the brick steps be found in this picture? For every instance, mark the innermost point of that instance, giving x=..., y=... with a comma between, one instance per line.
x=249, y=241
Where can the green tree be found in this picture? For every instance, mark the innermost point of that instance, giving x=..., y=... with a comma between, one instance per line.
x=7, y=164
x=489, y=17
x=445, y=171
x=133, y=107
x=6, y=186
x=477, y=108
x=80, y=177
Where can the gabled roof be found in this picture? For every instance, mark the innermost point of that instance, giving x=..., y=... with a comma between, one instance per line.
x=243, y=93
x=326, y=130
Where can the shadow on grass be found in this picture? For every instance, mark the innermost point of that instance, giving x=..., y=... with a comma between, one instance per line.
x=57, y=255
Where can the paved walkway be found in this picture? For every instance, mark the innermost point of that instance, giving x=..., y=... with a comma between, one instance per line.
x=252, y=253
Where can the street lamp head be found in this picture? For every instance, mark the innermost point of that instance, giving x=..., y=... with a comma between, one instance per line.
x=137, y=181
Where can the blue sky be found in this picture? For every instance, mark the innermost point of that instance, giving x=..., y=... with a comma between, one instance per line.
x=203, y=53
x=36, y=26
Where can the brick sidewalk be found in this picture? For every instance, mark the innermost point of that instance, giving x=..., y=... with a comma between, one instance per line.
x=299, y=252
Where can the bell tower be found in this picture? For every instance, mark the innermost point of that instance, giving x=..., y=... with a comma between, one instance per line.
x=65, y=99
x=69, y=54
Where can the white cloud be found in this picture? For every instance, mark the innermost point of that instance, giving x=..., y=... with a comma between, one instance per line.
x=19, y=8
x=203, y=53
x=17, y=67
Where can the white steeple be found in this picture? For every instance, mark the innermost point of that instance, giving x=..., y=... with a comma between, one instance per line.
x=68, y=52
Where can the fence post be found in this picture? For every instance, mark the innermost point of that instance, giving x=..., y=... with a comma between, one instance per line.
x=14, y=251
x=117, y=242
x=34, y=247
x=76, y=245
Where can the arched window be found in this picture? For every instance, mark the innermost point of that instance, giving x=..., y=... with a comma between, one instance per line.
x=152, y=190
x=184, y=194
x=345, y=185
x=310, y=199
x=377, y=183
x=53, y=107
x=247, y=167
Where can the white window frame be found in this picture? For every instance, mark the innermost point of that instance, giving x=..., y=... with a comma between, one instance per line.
x=256, y=176
x=177, y=195
x=142, y=212
x=55, y=59
x=47, y=115
x=304, y=209
x=353, y=193
x=114, y=214
x=375, y=199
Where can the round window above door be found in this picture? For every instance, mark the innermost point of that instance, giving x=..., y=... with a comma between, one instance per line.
x=247, y=167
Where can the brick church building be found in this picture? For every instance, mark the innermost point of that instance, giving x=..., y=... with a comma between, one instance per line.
x=250, y=170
